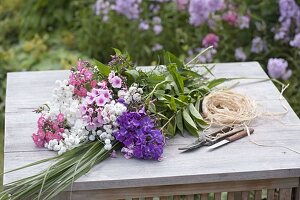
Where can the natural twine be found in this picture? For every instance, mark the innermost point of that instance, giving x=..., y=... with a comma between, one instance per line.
x=228, y=108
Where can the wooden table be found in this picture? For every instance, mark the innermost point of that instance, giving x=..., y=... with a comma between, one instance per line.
x=241, y=166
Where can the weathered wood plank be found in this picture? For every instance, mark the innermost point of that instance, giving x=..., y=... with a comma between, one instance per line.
x=270, y=194
x=285, y=194
x=163, y=198
x=257, y=195
x=217, y=195
x=112, y=194
x=189, y=197
x=230, y=196
x=176, y=197
x=204, y=196
x=245, y=195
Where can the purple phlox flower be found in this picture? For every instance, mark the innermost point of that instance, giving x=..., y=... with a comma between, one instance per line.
x=200, y=10
x=129, y=8
x=243, y=22
x=277, y=68
x=102, y=8
x=157, y=47
x=289, y=14
x=154, y=8
x=210, y=39
x=157, y=27
x=239, y=54
x=258, y=45
x=139, y=136
x=144, y=25
x=296, y=41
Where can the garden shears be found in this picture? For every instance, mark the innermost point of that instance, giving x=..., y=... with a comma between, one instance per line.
x=218, y=138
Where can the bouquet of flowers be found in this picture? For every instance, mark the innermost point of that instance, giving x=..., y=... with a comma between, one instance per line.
x=104, y=108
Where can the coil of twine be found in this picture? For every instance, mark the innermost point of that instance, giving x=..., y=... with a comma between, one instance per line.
x=226, y=107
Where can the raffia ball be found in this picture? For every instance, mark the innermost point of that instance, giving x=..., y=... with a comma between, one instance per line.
x=228, y=108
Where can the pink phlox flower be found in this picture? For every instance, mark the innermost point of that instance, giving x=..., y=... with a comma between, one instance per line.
x=111, y=75
x=106, y=93
x=90, y=98
x=94, y=83
x=101, y=100
x=38, y=140
x=230, y=17
x=41, y=121
x=60, y=118
x=116, y=82
x=53, y=136
x=210, y=39
x=102, y=84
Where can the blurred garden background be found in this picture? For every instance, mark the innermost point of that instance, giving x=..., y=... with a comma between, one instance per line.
x=47, y=35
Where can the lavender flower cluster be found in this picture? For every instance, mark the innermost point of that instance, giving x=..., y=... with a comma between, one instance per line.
x=201, y=9
x=289, y=18
x=139, y=136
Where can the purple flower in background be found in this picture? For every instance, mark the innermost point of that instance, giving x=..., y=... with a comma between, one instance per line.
x=289, y=14
x=230, y=17
x=200, y=10
x=154, y=8
x=210, y=39
x=102, y=8
x=258, y=45
x=157, y=47
x=144, y=25
x=296, y=41
x=243, y=22
x=129, y=8
x=239, y=54
x=277, y=68
x=157, y=28
x=139, y=136
x=182, y=4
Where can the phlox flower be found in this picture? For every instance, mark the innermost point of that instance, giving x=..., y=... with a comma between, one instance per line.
x=116, y=82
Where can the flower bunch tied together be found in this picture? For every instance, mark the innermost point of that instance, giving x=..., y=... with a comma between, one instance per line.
x=89, y=108
x=101, y=109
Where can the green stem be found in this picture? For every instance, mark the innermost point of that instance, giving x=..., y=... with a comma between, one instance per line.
x=155, y=88
x=202, y=52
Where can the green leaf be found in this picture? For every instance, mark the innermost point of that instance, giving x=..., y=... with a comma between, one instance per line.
x=104, y=69
x=179, y=121
x=196, y=115
x=133, y=76
x=190, y=129
x=171, y=58
x=171, y=129
x=176, y=77
x=216, y=82
x=152, y=107
x=197, y=104
x=117, y=51
x=134, y=73
x=173, y=104
x=188, y=120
